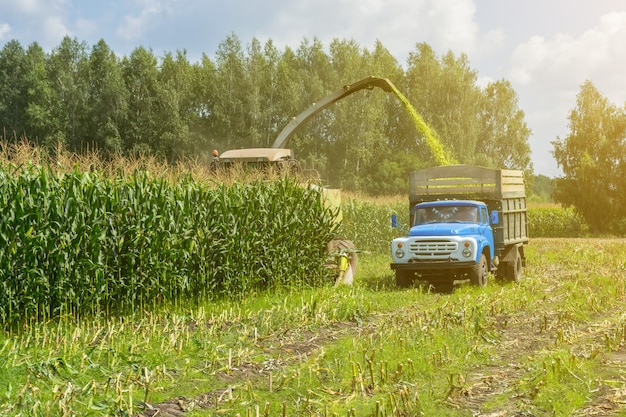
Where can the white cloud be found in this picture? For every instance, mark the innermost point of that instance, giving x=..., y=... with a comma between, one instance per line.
x=563, y=59
x=41, y=21
x=547, y=72
x=134, y=27
x=398, y=24
x=28, y=7
x=86, y=27
x=453, y=24
x=54, y=29
x=5, y=29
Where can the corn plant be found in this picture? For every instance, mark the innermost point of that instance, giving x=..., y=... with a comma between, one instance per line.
x=82, y=243
x=555, y=222
x=368, y=222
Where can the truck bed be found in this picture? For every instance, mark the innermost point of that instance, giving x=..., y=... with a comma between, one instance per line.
x=465, y=182
x=501, y=189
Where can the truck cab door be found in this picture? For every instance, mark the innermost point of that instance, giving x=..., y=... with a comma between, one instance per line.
x=486, y=230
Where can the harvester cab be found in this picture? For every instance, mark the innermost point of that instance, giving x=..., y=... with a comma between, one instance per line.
x=263, y=159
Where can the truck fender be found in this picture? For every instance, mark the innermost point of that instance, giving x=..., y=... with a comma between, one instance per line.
x=482, y=245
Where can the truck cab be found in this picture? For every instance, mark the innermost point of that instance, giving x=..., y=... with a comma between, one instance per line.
x=447, y=238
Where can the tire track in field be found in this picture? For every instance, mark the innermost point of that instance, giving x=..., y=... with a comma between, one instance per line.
x=494, y=390
x=289, y=351
x=525, y=338
x=520, y=338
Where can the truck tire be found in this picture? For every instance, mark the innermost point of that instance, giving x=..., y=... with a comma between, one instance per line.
x=513, y=269
x=338, y=248
x=480, y=272
x=404, y=279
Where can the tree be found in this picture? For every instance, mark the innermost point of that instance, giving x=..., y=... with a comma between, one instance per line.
x=13, y=100
x=503, y=139
x=542, y=189
x=68, y=67
x=262, y=100
x=142, y=130
x=593, y=159
x=444, y=92
x=388, y=171
x=175, y=105
x=229, y=110
x=107, y=100
x=202, y=129
x=39, y=122
x=310, y=80
x=352, y=129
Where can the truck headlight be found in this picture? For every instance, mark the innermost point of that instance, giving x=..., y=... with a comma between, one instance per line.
x=467, y=250
x=399, y=250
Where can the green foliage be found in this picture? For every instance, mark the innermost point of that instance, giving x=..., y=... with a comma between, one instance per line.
x=14, y=86
x=545, y=346
x=368, y=222
x=79, y=243
x=592, y=157
x=107, y=101
x=504, y=132
x=540, y=189
x=168, y=107
x=555, y=222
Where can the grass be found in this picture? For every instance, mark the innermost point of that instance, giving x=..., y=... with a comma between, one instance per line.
x=552, y=345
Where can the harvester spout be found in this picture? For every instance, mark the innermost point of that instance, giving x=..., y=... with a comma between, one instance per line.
x=346, y=90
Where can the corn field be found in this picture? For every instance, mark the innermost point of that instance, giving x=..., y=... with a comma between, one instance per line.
x=84, y=243
x=556, y=222
x=368, y=221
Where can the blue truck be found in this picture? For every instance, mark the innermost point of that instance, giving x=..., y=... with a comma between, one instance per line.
x=466, y=222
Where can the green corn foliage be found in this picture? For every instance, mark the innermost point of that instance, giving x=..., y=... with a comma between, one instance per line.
x=555, y=222
x=79, y=243
x=368, y=223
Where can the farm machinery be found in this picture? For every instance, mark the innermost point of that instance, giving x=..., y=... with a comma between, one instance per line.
x=343, y=255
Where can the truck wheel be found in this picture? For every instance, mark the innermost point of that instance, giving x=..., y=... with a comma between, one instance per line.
x=404, y=279
x=480, y=272
x=343, y=260
x=513, y=269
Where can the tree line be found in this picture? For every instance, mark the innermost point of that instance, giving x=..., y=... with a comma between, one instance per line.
x=88, y=98
x=593, y=159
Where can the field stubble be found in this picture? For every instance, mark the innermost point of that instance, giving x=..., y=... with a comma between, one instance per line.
x=552, y=345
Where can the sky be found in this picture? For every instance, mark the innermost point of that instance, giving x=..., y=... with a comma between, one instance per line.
x=546, y=49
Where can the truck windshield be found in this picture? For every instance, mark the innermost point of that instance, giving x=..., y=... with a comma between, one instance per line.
x=446, y=214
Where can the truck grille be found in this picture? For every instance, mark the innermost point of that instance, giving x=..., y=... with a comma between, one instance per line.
x=433, y=248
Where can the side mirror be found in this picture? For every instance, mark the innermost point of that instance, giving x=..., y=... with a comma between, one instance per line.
x=394, y=221
x=495, y=217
